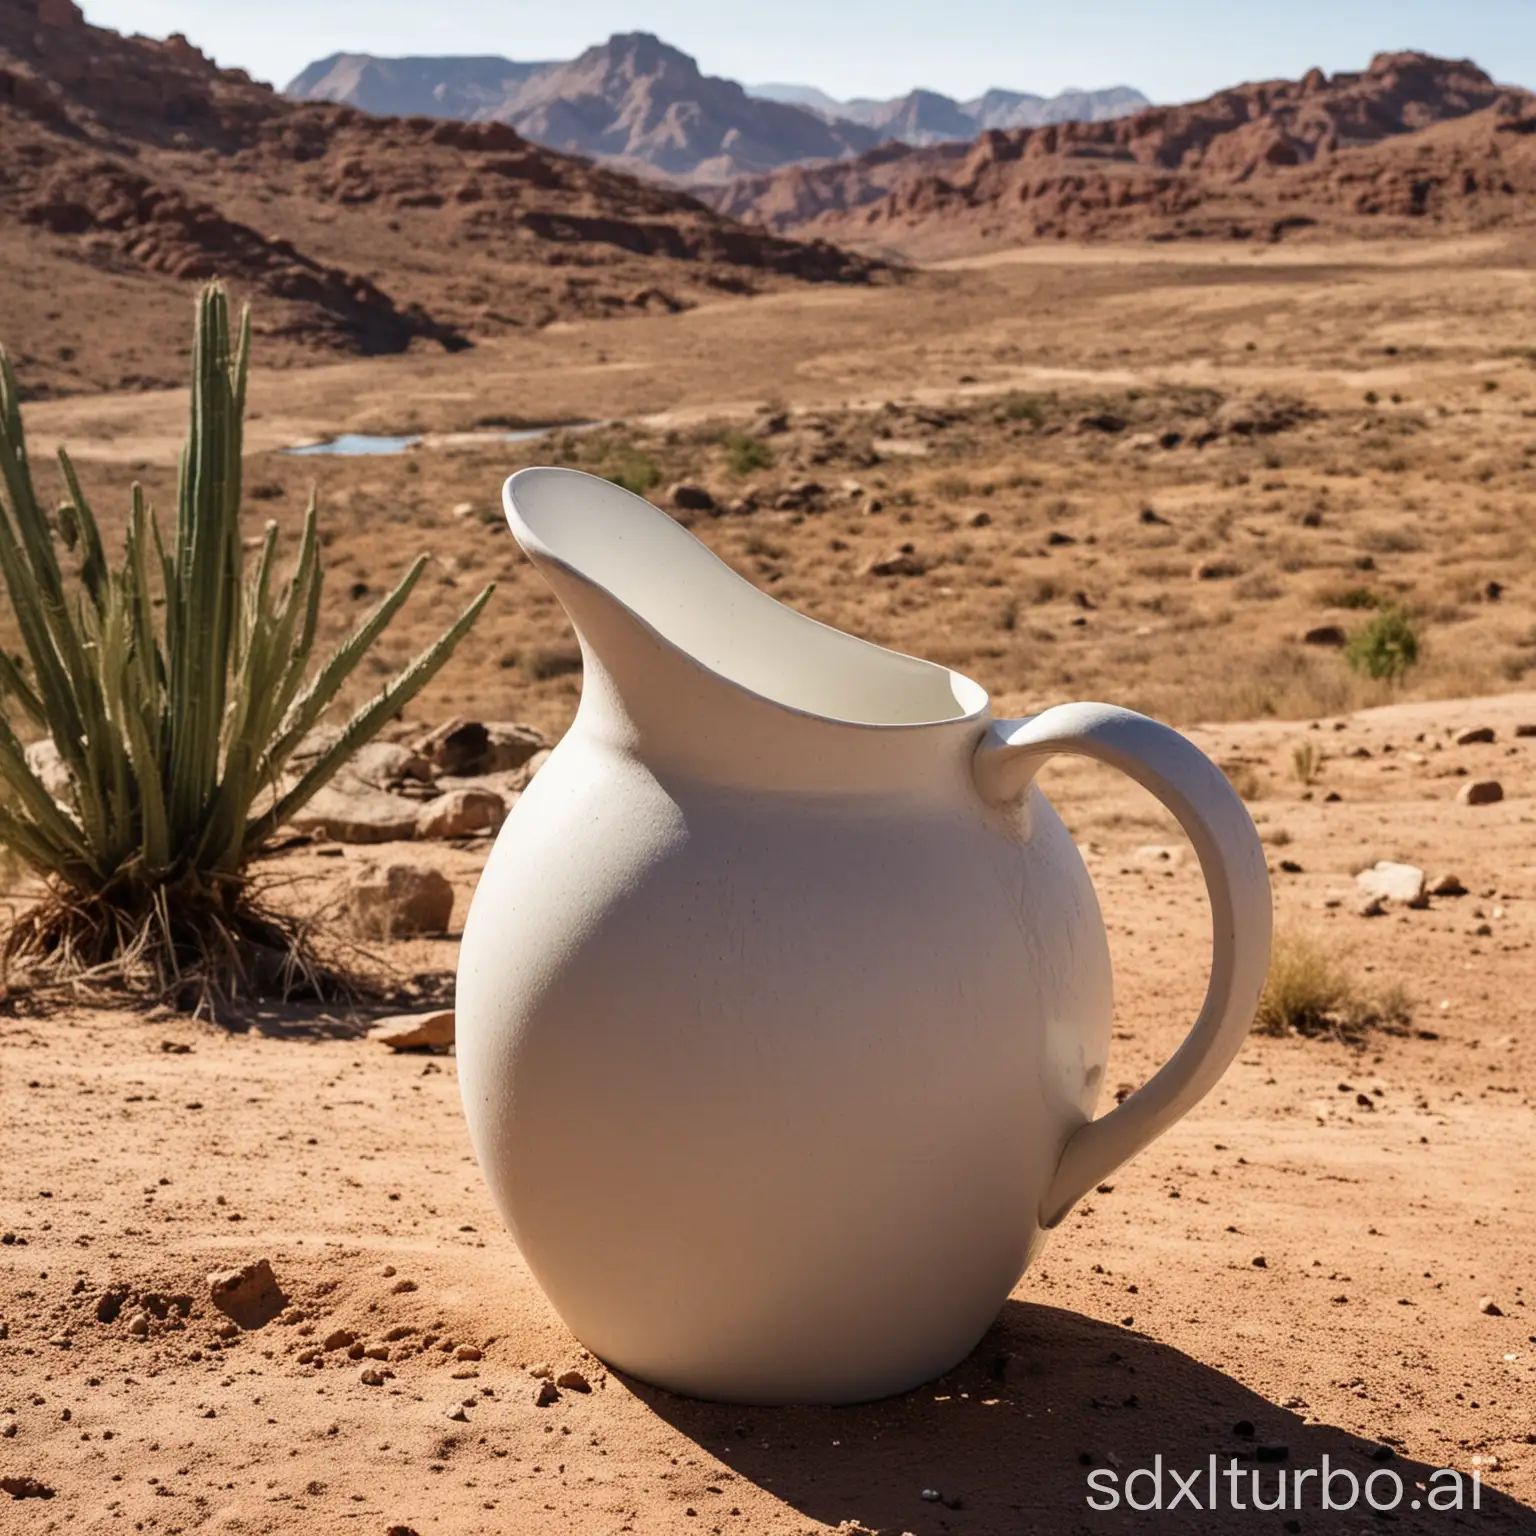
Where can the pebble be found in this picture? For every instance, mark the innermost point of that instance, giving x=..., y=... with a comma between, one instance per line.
x=1448, y=885
x=372, y=1376
x=931, y=1495
x=548, y=1393
x=1489, y=1307
x=1475, y=736
x=467, y=1352
x=573, y=1381
x=1259, y=1261
x=1480, y=792
x=342, y=1338
x=138, y=1324
x=457, y=1414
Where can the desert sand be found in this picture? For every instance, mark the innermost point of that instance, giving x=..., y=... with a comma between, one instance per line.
x=1347, y=419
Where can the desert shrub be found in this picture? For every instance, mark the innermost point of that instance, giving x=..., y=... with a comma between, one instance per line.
x=175, y=689
x=1311, y=989
x=1307, y=764
x=1385, y=647
x=633, y=470
x=1022, y=407
x=1354, y=598
x=745, y=454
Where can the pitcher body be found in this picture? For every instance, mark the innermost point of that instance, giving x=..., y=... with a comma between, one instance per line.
x=774, y=1021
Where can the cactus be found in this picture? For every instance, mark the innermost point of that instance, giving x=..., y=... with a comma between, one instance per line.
x=175, y=688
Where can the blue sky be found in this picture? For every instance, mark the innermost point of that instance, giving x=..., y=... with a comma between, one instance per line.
x=1173, y=51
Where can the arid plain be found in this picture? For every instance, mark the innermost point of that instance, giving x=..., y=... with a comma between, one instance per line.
x=1137, y=473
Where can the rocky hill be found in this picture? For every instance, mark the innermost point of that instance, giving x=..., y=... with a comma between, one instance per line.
x=129, y=168
x=634, y=102
x=1411, y=138
x=471, y=89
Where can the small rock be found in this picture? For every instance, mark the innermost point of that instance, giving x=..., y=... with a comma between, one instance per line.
x=690, y=498
x=1159, y=855
x=249, y=1297
x=1448, y=885
x=547, y=1393
x=1259, y=1261
x=1325, y=634
x=461, y=813
x=903, y=562
x=540, y=1372
x=573, y=1381
x=1244, y=1429
x=372, y=1376
x=1489, y=1307
x=457, y=1414
x=1216, y=570
x=1101, y=421
x=1480, y=792
x=1525, y=730
x=467, y=1352
x=393, y=900
x=1058, y=539
x=1475, y=736
x=25, y=1488
x=1370, y=906
x=1401, y=883
x=342, y=1338
x=415, y=1031
x=1290, y=866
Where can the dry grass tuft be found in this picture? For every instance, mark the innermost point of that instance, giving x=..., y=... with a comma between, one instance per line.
x=1313, y=990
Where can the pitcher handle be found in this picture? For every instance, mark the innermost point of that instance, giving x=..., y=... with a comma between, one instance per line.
x=1232, y=860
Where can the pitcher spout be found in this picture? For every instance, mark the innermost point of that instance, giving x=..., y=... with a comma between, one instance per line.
x=683, y=657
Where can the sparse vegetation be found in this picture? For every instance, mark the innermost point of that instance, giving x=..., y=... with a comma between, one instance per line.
x=175, y=690
x=1307, y=764
x=636, y=471
x=1312, y=989
x=1022, y=407
x=745, y=454
x=1385, y=648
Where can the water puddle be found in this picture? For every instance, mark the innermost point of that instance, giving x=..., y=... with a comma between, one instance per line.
x=358, y=444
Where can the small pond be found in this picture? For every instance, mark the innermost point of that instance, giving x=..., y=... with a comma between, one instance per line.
x=354, y=444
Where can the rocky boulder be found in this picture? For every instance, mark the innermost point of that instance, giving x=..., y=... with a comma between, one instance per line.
x=366, y=816
x=461, y=813
x=398, y=900
x=470, y=748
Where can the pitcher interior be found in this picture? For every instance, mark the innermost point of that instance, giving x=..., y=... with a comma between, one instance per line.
x=644, y=560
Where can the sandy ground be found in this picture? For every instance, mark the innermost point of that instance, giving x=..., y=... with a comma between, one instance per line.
x=1386, y=1187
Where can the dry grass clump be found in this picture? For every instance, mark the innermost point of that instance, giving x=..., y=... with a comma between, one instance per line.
x=1312, y=989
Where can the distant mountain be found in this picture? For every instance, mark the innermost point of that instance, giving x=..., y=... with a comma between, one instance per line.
x=925, y=117
x=639, y=103
x=633, y=101
x=469, y=88
x=1411, y=141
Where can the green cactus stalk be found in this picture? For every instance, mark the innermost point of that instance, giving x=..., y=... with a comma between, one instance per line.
x=175, y=688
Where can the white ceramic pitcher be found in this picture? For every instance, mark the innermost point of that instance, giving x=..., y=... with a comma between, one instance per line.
x=784, y=1000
